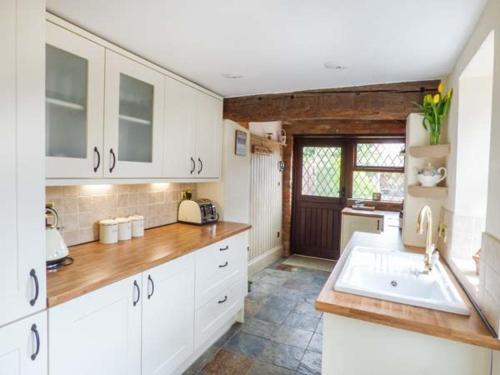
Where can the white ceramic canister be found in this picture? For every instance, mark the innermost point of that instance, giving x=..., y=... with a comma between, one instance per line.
x=108, y=231
x=124, y=228
x=137, y=225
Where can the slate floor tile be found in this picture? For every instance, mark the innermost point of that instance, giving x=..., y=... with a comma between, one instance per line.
x=260, y=328
x=226, y=336
x=228, y=363
x=307, y=307
x=319, y=328
x=292, y=336
x=273, y=314
x=281, y=355
x=248, y=345
x=310, y=364
x=306, y=322
x=316, y=343
x=251, y=307
x=261, y=368
x=206, y=357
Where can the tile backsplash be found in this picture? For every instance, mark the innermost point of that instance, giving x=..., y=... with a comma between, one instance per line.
x=81, y=207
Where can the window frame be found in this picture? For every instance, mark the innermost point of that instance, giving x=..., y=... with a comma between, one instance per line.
x=354, y=167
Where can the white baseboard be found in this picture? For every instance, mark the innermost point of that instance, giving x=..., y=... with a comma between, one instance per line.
x=262, y=261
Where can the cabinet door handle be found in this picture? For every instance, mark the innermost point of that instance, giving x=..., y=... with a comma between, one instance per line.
x=96, y=151
x=37, y=286
x=136, y=286
x=224, y=248
x=34, y=330
x=113, y=164
x=193, y=165
x=224, y=265
x=201, y=166
x=150, y=280
x=378, y=225
x=222, y=300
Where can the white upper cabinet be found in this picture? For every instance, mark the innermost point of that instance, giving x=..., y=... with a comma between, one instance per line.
x=22, y=237
x=74, y=105
x=168, y=316
x=179, y=136
x=193, y=131
x=208, y=136
x=133, y=122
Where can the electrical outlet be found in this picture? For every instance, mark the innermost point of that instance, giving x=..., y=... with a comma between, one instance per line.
x=442, y=231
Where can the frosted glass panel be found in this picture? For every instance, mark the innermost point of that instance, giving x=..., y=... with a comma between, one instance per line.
x=136, y=120
x=65, y=104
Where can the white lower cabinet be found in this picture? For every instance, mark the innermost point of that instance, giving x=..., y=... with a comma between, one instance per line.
x=359, y=223
x=23, y=346
x=98, y=333
x=167, y=316
x=153, y=323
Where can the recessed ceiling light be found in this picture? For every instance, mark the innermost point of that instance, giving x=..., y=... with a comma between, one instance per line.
x=334, y=66
x=232, y=75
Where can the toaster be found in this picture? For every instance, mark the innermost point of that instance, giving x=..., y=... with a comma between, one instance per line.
x=201, y=211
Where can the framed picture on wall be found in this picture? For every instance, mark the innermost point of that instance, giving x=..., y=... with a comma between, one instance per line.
x=240, y=144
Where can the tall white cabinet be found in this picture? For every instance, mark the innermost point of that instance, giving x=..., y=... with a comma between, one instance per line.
x=23, y=343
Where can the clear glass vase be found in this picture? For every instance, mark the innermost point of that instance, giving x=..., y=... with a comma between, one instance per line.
x=434, y=137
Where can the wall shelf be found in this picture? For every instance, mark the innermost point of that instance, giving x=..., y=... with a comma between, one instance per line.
x=436, y=192
x=430, y=151
x=262, y=141
x=64, y=103
x=135, y=120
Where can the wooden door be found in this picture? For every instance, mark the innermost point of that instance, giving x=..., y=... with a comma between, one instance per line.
x=319, y=197
x=74, y=105
x=208, y=136
x=168, y=316
x=22, y=237
x=98, y=333
x=179, y=158
x=133, y=119
x=23, y=346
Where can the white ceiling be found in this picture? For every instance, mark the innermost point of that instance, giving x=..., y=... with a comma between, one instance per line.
x=282, y=45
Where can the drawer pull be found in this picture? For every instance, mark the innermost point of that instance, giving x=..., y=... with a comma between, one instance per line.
x=224, y=248
x=224, y=265
x=37, y=287
x=223, y=300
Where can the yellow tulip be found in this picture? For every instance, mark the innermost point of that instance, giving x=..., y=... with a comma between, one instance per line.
x=428, y=98
x=440, y=87
x=437, y=98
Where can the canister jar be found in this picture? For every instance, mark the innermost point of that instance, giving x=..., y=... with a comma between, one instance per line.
x=124, y=228
x=137, y=225
x=108, y=231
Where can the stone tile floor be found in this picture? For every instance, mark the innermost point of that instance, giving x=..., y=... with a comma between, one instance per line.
x=282, y=333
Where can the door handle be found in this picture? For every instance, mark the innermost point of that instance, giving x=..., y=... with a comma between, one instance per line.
x=96, y=151
x=201, y=166
x=34, y=330
x=136, y=286
x=193, y=165
x=224, y=265
x=224, y=248
x=342, y=192
x=150, y=280
x=113, y=164
x=37, y=286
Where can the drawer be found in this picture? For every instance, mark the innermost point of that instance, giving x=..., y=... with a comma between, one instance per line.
x=218, y=264
x=212, y=316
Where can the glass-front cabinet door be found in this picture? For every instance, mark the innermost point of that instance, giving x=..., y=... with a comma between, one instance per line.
x=133, y=125
x=74, y=105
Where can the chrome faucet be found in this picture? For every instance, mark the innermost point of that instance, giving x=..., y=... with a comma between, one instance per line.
x=426, y=214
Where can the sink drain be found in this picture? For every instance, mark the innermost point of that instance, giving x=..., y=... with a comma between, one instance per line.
x=394, y=283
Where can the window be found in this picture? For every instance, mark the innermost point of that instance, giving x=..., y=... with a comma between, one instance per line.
x=378, y=168
x=321, y=171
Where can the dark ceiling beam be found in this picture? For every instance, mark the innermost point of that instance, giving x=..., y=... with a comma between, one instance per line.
x=375, y=102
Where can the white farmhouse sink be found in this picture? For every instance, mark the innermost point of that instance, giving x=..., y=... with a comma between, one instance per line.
x=397, y=276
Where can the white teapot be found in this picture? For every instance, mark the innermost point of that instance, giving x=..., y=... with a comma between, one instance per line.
x=430, y=176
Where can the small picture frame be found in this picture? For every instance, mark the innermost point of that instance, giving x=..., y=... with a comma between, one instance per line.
x=240, y=144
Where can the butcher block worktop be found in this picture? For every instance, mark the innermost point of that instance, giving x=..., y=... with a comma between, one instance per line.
x=468, y=329
x=97, y=265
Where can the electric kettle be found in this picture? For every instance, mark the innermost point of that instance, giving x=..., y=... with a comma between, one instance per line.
x=55, y=247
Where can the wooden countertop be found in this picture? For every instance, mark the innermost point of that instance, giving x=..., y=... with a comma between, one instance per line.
x=97, y=265
x=468, y=329
x=367, y=213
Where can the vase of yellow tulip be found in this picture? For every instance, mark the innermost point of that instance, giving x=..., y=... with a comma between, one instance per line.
x=435, y=108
